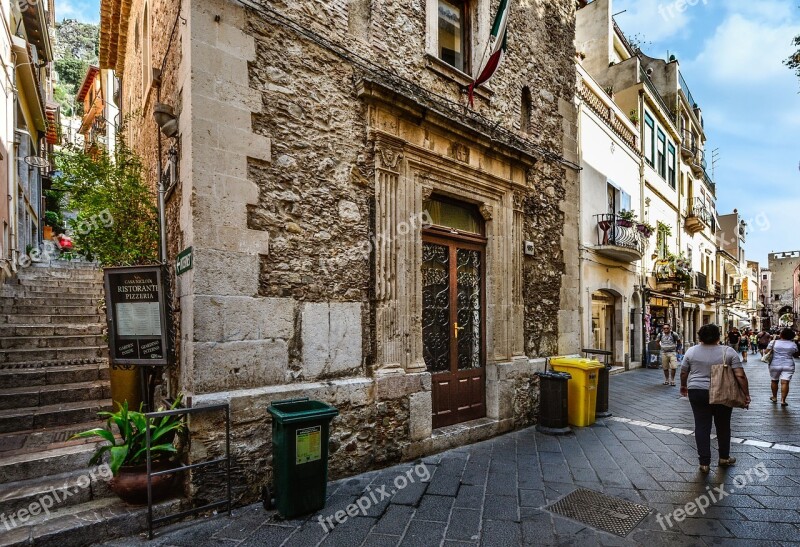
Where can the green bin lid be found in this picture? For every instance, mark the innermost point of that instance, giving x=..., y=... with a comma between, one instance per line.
x=300, y=410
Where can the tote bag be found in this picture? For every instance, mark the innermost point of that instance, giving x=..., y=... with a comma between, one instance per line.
x=724, y=389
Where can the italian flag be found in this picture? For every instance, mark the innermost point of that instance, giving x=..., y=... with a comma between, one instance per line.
x=496, y=48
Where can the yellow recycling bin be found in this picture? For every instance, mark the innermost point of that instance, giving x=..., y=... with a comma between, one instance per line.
x=582, y=388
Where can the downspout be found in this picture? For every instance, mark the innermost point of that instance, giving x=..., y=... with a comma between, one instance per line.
x=643, y=265
x=581, y=307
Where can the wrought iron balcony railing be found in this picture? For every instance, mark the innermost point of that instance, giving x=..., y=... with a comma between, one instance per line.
x=617, y=235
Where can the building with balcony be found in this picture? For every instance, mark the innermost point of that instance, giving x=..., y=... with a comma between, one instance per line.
x=612, y=241
x=100, y=113
x=28, y=130
x=733, y=270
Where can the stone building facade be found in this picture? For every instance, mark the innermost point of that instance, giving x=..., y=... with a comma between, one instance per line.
x=360, y=234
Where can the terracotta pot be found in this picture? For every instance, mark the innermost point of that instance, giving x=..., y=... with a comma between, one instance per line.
x=130, y=484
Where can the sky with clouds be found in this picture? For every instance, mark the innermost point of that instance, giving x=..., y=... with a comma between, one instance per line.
x=86, y=11
x=731, y=54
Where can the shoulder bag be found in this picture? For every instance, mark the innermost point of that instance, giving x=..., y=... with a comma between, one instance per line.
x=767, y=357
x=724, y=389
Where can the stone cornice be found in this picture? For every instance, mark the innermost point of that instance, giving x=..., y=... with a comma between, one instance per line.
x=114, y=21
x=449, y=119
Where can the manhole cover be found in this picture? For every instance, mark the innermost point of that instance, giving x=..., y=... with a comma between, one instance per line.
x=600, y=511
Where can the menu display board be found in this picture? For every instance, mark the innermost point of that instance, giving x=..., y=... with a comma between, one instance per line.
x=135, y=310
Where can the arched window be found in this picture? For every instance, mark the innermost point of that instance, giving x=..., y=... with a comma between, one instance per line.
x=525, y=110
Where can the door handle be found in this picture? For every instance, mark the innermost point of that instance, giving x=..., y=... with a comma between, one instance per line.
x=457, y=328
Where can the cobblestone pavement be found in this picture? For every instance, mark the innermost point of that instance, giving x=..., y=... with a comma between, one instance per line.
x=494, y=492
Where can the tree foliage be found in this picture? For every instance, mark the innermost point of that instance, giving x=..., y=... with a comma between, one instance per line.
x=71, y=71
x=793, y=61
x=117, y=221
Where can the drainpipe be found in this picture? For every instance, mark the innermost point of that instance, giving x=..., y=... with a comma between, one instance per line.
x=580, y=225
x=643, y=265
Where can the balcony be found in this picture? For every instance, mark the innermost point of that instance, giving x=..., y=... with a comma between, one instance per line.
x=688, y=145
x=698, y=217
x=698, y=284
x=620, y=239
x=672, y=274
x=698, y=164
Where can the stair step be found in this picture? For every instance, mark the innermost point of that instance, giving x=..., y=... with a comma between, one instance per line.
x=79, y=283
x=29, y=465
x=49, y=300
x=45, y=438
x=47, y=309
x=35, y=396
x=50, y=318
x=12, y=289
x=51, y=330
x=14, y=375
x=44, y=342
x=88, y=523
x=51, y=354
x=63, y=490
x=18, y=419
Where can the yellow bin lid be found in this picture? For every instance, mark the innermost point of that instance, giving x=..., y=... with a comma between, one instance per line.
x=581, y=363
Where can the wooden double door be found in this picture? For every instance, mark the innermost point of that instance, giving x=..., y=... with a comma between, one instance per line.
x=454, y=325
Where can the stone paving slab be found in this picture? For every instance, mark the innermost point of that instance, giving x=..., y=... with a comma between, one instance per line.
x=493, y=493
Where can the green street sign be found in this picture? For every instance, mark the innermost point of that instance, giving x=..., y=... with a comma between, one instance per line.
x=185, y=261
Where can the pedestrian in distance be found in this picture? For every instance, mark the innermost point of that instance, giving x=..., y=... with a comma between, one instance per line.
x=695, y=384
x=753, y=342
x=668, y=342
x=744, y=345
x=781, y=368
x=764, y=338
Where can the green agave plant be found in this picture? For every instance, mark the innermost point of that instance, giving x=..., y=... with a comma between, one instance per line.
x=131, y=446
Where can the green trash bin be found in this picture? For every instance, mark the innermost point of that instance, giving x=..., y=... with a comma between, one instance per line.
x=300, y=432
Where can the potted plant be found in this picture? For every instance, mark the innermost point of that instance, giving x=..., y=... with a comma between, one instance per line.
x=127, y=451
x=634, y=117
x=645, y=229
x=626, y=218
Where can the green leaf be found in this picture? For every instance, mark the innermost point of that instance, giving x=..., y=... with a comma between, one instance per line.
x=97, y=432
x=157, y=449
x=118, y=455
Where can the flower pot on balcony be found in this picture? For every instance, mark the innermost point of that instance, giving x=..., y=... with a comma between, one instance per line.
x=645, y=230
x=624, y=223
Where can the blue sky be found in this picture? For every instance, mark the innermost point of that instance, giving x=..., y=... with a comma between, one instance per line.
x=87, y=11
x=731, y=53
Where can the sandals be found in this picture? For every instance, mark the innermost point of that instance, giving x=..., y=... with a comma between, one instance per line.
x=666, y=383
x=773, y=399
x=784, y=404
x=672, y=384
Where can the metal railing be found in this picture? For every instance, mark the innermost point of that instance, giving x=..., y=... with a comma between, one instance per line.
x=689, y=141
x=686, y=92
x=615, y=230
x=701, y=211
x=150, y=416
x=656, y=95
x=700, y=282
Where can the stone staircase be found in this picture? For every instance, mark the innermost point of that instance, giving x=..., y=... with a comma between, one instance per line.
x=53, y=381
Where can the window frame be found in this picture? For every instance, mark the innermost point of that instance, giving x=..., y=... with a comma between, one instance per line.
x=671, y=164
x=466, y=35
x=649, y=147
x=661, y=157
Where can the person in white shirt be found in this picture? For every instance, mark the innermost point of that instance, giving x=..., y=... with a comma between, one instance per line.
x=781, y=368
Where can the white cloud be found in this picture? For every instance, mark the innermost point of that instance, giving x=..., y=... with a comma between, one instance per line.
x=86, y=11
x=746, y=51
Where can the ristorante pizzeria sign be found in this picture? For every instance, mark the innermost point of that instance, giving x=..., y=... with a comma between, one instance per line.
x=137, y=333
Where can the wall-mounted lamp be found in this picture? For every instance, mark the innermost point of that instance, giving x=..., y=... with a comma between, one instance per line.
x=166, y=119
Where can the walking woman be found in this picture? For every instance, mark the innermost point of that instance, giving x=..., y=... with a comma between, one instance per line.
x=782, y=366
x=744, y=345
x=695, y=383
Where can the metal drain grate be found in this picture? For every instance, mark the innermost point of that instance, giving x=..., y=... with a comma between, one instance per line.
x=600, y=511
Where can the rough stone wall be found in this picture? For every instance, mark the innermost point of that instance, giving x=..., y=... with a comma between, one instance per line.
x=315, y=197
